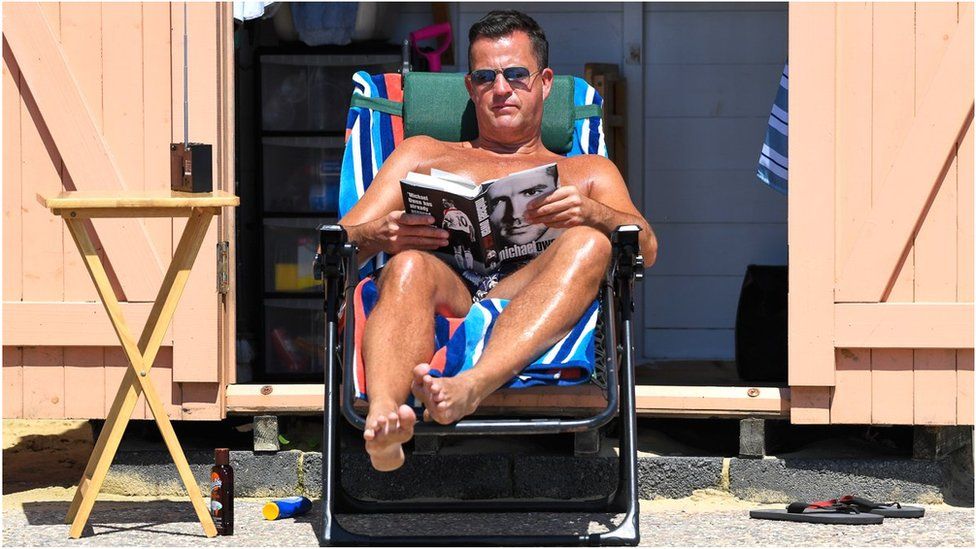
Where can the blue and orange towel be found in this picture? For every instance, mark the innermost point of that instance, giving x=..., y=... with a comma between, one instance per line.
x=459, y=342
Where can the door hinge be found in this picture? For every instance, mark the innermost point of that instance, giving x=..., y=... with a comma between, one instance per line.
x=223, y=267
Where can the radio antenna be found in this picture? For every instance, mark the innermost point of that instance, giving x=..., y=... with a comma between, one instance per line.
x=186, y=103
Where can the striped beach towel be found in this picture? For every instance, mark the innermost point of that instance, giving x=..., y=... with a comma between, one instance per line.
x=773, y=167
x=459, y=342
x=373, y=129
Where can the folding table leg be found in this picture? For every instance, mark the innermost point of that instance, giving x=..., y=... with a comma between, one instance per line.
x=136, y=380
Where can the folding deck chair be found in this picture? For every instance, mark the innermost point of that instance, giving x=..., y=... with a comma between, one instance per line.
x=385, y=109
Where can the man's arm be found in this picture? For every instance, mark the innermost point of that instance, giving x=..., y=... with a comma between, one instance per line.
x=377, y=222
x=600, y=200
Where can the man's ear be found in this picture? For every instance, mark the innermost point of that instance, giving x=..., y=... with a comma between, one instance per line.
x=546, y=76
x=469, y=86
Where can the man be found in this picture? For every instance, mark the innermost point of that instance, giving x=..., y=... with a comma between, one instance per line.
x=509, y=80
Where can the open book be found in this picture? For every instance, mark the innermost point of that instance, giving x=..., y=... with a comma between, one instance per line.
x=486, y=222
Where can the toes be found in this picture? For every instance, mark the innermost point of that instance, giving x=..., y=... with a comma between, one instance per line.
x=406, y=416
x=420, y=370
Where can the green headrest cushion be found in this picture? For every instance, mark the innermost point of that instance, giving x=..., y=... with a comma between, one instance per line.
x=437, y=104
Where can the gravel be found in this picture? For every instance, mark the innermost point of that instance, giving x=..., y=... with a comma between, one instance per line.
x=172, y=523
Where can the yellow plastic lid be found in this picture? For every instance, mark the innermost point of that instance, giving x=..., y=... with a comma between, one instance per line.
x=270, y=511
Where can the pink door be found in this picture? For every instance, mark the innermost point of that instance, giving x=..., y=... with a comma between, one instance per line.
x=93, y=96
x=881, y=213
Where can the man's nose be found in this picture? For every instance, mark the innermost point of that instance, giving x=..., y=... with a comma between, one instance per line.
x=501, y=86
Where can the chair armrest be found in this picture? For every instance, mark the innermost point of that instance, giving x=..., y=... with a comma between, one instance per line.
x=627, y=263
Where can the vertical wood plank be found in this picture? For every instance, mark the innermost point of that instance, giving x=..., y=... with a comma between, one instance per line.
x=227, y=314
x=116, y=365
x=157, y=119
x=40, y=173
x=811, y=199
x=81, y=40
x=893, y=106
x=195, y=356
x=43, y=382
x=13, y=247
x=84, y=382
x=964, y=254
x=201, y=401
x=162, y=379
x=810, y=405
x=935, y=243
x=964, y=215
x=122, y=85
x=851, y=398
x=892, y=382
x=43, y=280
x=13, y=382
x=964, y=387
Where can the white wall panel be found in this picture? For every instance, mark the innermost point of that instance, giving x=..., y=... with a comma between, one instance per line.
x=747, y=37
x=711, y=196
x=661, y=344
x=710, y=75
x=702, y=301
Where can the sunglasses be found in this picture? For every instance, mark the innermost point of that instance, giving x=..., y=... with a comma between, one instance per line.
x=512, y=75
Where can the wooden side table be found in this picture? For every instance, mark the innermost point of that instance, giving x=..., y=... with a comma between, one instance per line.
x=76, y=206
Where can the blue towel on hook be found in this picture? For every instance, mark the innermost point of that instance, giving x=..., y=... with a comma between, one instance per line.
x=773, y=167
x=319, y=23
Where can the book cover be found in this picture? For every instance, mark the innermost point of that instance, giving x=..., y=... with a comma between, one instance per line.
x=486, y=222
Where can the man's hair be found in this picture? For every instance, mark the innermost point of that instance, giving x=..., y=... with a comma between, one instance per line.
x=497, y=24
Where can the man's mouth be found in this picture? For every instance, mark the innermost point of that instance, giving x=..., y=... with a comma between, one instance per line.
x=504, y=106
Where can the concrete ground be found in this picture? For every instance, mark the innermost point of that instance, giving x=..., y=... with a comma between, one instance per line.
x=690, y=501
x=35, y=518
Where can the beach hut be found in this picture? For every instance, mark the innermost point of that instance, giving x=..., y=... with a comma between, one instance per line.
x=878, y=223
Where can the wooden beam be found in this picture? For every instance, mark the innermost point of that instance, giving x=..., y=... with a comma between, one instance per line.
x=904, y=325
x=651, y=399
x=910, y=186
x=33, y=323
x=812, y=189
x=82, y=147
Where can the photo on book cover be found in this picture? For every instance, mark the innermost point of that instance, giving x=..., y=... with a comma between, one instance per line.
x=486, y=223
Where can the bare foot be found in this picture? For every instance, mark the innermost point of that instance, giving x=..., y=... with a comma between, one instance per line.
x=385, y=435
x=446, y=399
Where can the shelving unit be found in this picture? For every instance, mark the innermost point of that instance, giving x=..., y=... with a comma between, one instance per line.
x=301, y=108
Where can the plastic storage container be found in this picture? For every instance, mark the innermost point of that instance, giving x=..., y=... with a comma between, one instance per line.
x=294, y=336
x=311, y=92
x=301, y=174
x=289, y=250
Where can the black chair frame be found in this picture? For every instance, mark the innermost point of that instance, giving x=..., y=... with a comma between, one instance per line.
x=337, y=265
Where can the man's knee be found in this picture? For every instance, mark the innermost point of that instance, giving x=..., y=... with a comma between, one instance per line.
x=409, y=270
x=588, y=246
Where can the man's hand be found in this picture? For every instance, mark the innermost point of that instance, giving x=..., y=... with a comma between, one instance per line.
x=563, y=208
x=398, y=231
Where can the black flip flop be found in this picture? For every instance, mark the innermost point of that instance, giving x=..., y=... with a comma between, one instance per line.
x=821, y=512
x=893, y=509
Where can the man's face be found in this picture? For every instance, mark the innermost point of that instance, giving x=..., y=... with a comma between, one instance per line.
x=508, y=112
x=507, y=210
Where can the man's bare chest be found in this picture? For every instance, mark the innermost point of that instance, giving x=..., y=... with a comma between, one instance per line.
x=479, y=168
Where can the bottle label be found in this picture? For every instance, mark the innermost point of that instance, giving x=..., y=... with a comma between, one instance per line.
x=215, y=495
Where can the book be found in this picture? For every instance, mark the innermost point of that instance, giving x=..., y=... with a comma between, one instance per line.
x=485, y=221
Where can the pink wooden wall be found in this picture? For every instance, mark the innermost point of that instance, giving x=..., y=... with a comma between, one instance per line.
x=881, y=315
x=60, y=356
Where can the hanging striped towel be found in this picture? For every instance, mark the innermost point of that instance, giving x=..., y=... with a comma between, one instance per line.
x=773, y=167
x=459, y=343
